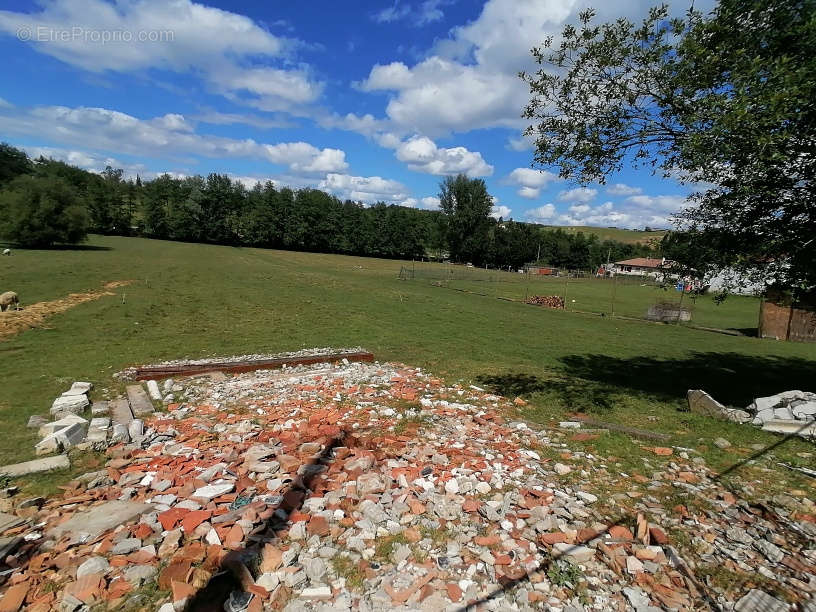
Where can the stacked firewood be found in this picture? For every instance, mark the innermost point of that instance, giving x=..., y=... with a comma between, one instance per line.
x=550, y=301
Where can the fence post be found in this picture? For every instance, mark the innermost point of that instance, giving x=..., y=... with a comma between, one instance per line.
x=614, y=291
x=527, y=285
x=566, y=287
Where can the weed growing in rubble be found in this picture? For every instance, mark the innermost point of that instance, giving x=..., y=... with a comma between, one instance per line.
x=51, y=586
x=437, y=536
x=414, y=421
x=562, y=573
x=384, y=548
x=144, y=598
x=344, y=567
x=420, y=554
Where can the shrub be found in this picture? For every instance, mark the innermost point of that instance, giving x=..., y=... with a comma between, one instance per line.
x=41, y=211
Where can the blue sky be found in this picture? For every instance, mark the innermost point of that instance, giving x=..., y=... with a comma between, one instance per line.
x=374, y=101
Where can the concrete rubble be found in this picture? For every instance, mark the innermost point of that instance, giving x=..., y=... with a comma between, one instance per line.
x=790, y=412
x=371, y=486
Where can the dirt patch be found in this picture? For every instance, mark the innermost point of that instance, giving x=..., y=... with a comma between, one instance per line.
x=35, y=315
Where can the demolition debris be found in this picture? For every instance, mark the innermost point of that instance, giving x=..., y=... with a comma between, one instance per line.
x=372, y=486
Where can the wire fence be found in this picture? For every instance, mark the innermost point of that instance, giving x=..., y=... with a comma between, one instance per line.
x=633, y=296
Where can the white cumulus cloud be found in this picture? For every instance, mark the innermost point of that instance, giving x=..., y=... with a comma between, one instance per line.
x=469, y=81
x=542, y=213
x=663, y=203
x=230, y=52
x=635, y=212
x=439, y=95
x=368, y=189
x=579, y=195
x=92, y=162
x=621, y=189
x=422, y=155
x=428, y=202
x=169, y=136
x=531, y=181
x=502, y=212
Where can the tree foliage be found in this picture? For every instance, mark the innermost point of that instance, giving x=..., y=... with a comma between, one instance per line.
x=13, y=163
x=722, y=101
x=218, y=209
x=41, y=212
x=466, y=206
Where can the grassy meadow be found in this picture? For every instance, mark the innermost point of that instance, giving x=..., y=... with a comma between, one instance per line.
x=614, y=233
x=191, y=300
x=627, y=296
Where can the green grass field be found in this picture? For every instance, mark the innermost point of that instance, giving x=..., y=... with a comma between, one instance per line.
x=627, y=296
x=613, y=233
x=190, y=300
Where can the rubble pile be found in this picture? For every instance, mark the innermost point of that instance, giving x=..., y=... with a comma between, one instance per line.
x=109, y=422
x=129, y=373
x=550, y=301
x=790, y=412
x=367, y=486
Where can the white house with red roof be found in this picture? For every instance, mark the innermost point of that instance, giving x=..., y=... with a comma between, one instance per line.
x=641, y=266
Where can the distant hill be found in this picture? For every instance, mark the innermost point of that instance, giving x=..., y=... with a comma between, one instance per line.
x=614, y=233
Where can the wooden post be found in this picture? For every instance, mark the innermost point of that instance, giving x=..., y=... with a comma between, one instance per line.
x=790, y=320
x=566, y=283
x=527, y=285
x=614, y=291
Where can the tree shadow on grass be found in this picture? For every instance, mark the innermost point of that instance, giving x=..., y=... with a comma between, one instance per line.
x=751, y=332
x=593, y=381
x=579, y=395
x=731, y=378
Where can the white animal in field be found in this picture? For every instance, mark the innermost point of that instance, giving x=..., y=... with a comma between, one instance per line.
x=9, y=299
x=6, y=251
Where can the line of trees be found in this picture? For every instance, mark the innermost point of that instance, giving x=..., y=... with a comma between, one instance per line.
x=45, y=202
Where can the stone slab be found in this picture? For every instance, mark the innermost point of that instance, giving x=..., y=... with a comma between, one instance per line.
x=100, y=423
x=140, y=403
x=784, y=426
x=701, y=402
x=37, y=465
x=36, y=421
x=100, y=408
x=119, y=434
x=572, y=552
x=100, y=519
x=96, y=434
x=120, y=411
x=49, y=428
x=71, y=404
x=759, y=601
x=61, y=440
x=9, y=521
x=79, y=388
x=153, y=390
x=9, y=545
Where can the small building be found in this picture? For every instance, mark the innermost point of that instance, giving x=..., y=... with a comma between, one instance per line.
x=640, y=266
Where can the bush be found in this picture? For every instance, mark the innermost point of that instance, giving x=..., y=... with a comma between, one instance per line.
x=41, y=211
